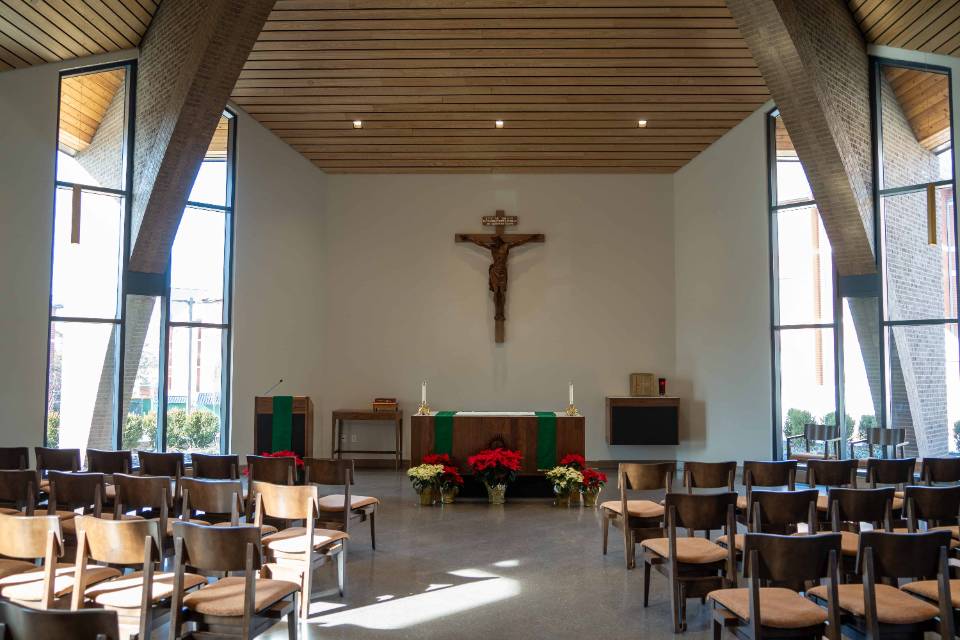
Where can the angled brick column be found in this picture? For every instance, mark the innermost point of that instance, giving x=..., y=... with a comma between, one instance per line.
x=814, y=61
x=189, y=61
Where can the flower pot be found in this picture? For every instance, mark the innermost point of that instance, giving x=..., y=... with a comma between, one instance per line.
x=590, y=495
x=496, y=494
x=447, y=495
x=427, y=497
x=561, y=497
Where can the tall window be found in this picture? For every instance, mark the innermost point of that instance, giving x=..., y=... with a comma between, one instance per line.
x=135, y=361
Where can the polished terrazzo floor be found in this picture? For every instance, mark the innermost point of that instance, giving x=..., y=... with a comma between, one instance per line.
x=473, y=570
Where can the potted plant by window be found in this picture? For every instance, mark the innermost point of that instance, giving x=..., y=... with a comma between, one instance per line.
x=450, y=480
x=566, y=484
x=425, y=478
x=591, y=486
x=496, y=468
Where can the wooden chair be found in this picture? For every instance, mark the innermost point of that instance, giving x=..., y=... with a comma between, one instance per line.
x=876, y=608
x=644, y=517
x=29, y=539
x=893, y=439
x=693, y=566
x=769, y=606
x=149, y=497
x=340, y=509
x=215, y=467
x=897, y=472
x=71, y=491
x=294, y=552
x=849, y=508
x=827, y=434
x=109, y=463
x=220, y=502
x=24, y=623
x=273, y=470
x=779, y=512
x=141, y=598
x=14, y=458
x=709, y=475
x=234, y=606
x=940, y=471
x=830, y=473
x=936, y=507
x=164, y=464
x=49, y=459
x=18, y=491
x=766, y=473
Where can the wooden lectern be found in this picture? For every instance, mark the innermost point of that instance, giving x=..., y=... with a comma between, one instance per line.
x=301, y=433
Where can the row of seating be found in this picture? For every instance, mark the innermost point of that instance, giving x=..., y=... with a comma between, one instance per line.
x=854, y=536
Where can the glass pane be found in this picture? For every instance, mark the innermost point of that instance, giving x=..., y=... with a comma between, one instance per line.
x=792, y=185
x=861, y=367
x=196, y=273
x=915, y=123
x=195, y=375
x=921, y=277
x=86, y=274
x=804, y=268
x=92, y=128
x=82, y=381
x=210, y=187
x=924, y=386
x=807, y=379
x=141, y=373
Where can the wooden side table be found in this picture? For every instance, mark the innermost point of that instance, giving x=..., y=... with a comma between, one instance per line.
x=353, y=415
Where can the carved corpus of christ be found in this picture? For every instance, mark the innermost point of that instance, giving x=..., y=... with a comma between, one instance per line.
x=499, y=244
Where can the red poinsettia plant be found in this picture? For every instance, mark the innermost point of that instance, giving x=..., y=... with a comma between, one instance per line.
x=437, y=458
x=496, y=466
x=451, y=474
x=280, y=454
x=593, y=479
x=573, y=460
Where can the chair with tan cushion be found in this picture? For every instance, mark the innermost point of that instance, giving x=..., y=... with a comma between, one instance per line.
x=709, y=475
x=147, y=497
x=883, y=440
x=28, y=539
x=215, y=467
x=295, y=552
x=218, y=502
x=274, y=470
x=693, y=566
x=142, y=597
x=934, y=507
x=51, y=459
x=897, y=473
x=828, y=474
x=25, y=623
x=108, y=463
x=779, y=512
x=875, y=608
x=775, y=609
x=935, y=471
x=19, y=490
x=826, y=434
x=236, y=606
x=339, y=509
x=14, y=458
x=765, y=473
x=70, y=493
x=644, y=517
x=849, y=508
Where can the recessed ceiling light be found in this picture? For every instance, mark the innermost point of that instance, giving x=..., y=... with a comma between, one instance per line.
x=358, y=124
x=641, y=123
x=498, y=124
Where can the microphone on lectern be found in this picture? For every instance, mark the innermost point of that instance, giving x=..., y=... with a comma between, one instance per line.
x=267, y=392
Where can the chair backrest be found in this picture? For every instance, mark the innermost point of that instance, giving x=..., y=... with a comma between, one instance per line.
x=27, y=537
x=217, y=548
x=885, y=436
x=23, y=623
x=286, y=502
x=14, y=457
x=890, y=471
x=709, y=475
x=903, y=555
x=109, y=462
x=646, y=476
x=860, y=505
x=70, y=490
x=161, y=464
x=770, y=473
x=940, y=470
x=215, y=467
x=328, y=472
x=819, y=432
x=790, y=559
x=273, y=470
x=832, y=473
x=19, y=489
x=49, y=459
x=781, y=511
x=120, y=542
x=143, y=492
x=212, y=496
x=700, y=511
x=938, y=506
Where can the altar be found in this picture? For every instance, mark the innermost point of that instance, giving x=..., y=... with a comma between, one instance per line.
x=542, y=437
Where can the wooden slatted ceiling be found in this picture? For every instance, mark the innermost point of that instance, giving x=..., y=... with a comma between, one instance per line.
x=83, y=102
x=924, y=25
x=925, y=99
x=39, y=31
x=570, y=78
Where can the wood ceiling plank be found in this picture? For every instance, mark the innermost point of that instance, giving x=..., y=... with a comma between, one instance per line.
x=69, y=26
x=26, y=56
x=31, y=36
x=126, y=29
x=568, y=82
x=724, y=91
x=9, y=59
x=689, y=74
x=880, y=27
x=942, y=35
x=92, y=17
x=52, y=29
x=302, y=39
x=922, y=14
x=315, y=5
x=502, y=13
x=595, y=58
x=298, y=119
x=532, y=23
x=131, y=13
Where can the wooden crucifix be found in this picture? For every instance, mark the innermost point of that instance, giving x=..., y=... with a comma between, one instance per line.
x=499, y=245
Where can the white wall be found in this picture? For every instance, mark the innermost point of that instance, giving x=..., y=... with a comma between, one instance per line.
x=722, y=295
x=405, y=303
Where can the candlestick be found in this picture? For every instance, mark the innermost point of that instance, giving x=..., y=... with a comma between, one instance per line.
x=571, y=392
x=423, y=391
x=571, y=408
x=424, y=409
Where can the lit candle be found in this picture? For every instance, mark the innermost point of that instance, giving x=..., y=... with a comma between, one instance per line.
x=423, y=392
x=571, y=392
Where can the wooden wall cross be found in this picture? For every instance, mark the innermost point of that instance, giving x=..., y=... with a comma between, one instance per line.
x=499, y=245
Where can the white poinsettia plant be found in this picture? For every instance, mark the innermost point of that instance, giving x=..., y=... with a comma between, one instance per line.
x=565, y=478
x=425, y=476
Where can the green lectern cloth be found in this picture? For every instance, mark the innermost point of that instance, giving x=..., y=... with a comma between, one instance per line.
x=281, y=436
x=546, y=439
x=443, y=432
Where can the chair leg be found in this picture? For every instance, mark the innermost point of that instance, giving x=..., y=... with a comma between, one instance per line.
x=675, y=604
x=293, y=624
x=305, y=593
x=342, y=571
x=646, y=583
x=717, y=630
x=606, y=532
x=373, y=530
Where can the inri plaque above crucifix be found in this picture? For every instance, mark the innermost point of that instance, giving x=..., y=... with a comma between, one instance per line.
x=499, y=245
